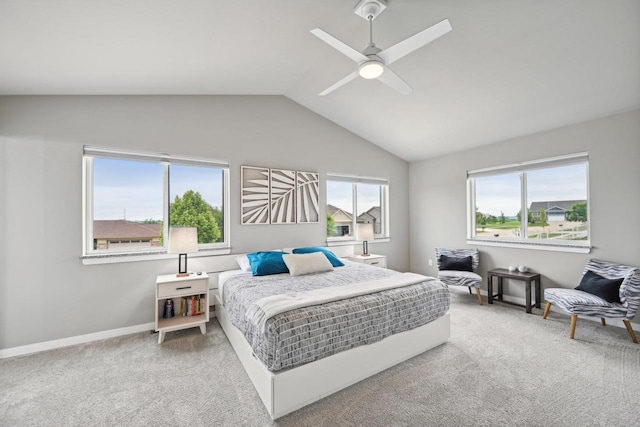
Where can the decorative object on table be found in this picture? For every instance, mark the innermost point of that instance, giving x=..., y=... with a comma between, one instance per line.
x=278, y=196
x=182, y=240
x=523, y=269
x=307, y=197
x=597, y=279
x=512, y=269
x=168, y=309
x=365, y=233
x=462, y=275
x=282, y=184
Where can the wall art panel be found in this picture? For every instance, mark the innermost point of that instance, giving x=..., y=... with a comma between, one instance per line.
x=255, y=195
x=307, y=197
x=283, y=186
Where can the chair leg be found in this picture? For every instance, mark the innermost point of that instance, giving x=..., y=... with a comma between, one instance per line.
x=630, y=329
x=574, y=320
x=469, y=290
x=546, y=310
x=604, y=323
x=479, y=295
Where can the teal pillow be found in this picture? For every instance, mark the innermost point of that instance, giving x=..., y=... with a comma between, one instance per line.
x=266, y=263
x=333, y=259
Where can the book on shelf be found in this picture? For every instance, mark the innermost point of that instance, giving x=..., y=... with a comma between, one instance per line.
x=191, y=305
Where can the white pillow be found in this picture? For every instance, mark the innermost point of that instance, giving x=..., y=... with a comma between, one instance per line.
x=299, y=264
x=243, y=262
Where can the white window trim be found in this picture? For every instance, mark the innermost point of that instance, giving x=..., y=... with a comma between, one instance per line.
x=91, y=256
x=526, y=243
x=384, y=208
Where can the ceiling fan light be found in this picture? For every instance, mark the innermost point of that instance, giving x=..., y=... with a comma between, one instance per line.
x=371, y=69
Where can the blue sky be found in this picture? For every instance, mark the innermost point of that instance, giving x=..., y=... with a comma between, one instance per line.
x=502, y=192
x=135, y=189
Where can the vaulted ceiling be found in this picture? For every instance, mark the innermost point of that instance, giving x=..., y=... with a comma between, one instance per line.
x=508, y=68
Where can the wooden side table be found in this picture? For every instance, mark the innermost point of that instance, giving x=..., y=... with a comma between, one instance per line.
x=527, y=278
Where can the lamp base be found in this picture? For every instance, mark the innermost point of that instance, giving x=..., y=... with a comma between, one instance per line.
x=182, y=274
x=366, y=255
x=365, y=248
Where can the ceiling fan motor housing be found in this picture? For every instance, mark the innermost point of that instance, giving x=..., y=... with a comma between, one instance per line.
x=370, y=9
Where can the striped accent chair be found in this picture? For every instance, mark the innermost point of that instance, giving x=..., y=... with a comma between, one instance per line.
x=576, y=302
x=461, y=278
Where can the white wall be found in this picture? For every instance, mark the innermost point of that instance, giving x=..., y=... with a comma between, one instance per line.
x=46, y=293
x=438, y=199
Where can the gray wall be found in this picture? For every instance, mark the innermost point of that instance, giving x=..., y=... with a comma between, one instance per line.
x=438, y=203
x=46, y=293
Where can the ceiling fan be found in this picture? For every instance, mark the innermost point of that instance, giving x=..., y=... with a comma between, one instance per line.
x=373, y=63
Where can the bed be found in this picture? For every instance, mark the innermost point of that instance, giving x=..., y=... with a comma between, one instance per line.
x=301, y=355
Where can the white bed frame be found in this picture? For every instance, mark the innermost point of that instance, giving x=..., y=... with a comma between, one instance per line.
x=285, y=391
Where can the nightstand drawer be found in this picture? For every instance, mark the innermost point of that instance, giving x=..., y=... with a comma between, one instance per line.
x=373, y=259
x=187, y=287
x=378, y=261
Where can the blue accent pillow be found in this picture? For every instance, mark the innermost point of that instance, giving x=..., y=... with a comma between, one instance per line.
x=333, y=259
x=594, y=284
x=265, y=263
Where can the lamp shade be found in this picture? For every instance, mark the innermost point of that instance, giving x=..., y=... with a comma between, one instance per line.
x=183, y=240
x=365, y=232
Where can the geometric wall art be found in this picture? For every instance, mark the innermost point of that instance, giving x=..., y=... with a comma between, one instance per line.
x=255, y=195
x=278, y=196
x=283, y=202
x=307, y=197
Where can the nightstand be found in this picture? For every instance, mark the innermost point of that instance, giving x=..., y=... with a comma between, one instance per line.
x=372, y=259
x=189, y=296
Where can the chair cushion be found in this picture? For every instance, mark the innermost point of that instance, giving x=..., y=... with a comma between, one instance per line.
x=579, y=302
x=607, y=289
x=453, y=263
x=460, y=278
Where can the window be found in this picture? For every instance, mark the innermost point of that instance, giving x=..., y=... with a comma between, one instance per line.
x=542, y=203
x=132, y=198
x=367, y=198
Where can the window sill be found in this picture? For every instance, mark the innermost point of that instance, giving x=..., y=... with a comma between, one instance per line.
x=113, y=258
x=355, y=242
x=557, y=247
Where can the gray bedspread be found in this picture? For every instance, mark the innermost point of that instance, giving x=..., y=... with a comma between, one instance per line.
x=311, y=333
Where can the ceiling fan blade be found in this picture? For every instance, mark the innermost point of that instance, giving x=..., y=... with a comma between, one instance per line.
x=340, y=83
x=405, y=47
x=394, y=81
x=338, y=45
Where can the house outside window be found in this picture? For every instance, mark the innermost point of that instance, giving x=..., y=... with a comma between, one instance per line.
x=366, y=197
x=540, y=204
x=132, y=198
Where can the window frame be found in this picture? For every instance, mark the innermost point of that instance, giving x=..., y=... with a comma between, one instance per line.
x=91, y=255
x=384, y=208
x=525, y=242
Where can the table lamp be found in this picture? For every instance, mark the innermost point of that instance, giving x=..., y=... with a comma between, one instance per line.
x=365, y=233
x=182, y=240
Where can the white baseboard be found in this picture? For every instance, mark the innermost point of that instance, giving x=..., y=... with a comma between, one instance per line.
x=80, y=339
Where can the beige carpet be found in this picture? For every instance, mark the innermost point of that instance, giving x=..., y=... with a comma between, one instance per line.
x=500, y=367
